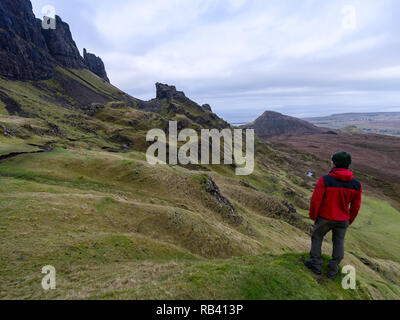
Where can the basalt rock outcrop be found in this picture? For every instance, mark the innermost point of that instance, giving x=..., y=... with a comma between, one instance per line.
x=171, y=101
x=30, y=52
x=229, y=211
x=62, y=46
x=23, y=49
x=95, y=64
x=165, y=91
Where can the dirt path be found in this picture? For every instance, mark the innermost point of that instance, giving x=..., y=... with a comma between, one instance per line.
x=16, y=154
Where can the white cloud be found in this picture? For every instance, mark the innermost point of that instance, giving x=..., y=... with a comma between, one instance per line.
x=392, y=72
x=123, y=20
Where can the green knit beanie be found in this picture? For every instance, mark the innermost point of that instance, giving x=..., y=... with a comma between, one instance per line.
x=342, y=160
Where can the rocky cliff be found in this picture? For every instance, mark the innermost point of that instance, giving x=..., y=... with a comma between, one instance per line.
x=29, y=52
x=62, y=47
x=23, y=49
x=165, y=91
x=95, y=64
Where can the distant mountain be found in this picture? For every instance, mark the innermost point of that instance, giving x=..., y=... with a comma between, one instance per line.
x=272, y=123
x=373, y=122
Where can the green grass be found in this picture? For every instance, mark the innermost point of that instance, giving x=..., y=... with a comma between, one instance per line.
x=97, y=216
x=263, y=277
x=376, y=229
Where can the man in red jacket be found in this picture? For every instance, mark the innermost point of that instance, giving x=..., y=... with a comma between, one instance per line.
x=334, y=206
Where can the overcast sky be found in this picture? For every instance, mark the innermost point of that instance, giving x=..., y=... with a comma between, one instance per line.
x=298, y=57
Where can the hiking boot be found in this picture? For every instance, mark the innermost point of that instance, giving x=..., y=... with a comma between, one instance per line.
x=309, y=265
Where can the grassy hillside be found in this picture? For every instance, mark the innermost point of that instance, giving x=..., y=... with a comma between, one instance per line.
x=116, y=227
x=102, y=219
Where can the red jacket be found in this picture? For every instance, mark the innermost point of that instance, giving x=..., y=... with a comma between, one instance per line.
x=337, y=196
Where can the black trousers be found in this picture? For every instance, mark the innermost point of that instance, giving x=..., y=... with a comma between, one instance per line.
x=320, y=229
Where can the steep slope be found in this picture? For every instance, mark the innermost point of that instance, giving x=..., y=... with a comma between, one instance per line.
x=272, y=123
x=80, y=105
